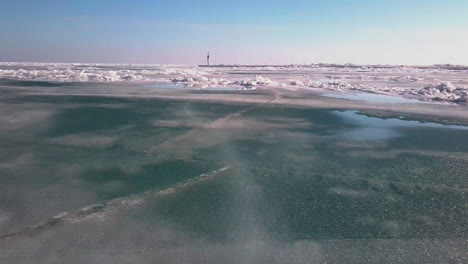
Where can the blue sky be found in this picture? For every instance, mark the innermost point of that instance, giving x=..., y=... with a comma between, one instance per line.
x=244, y=32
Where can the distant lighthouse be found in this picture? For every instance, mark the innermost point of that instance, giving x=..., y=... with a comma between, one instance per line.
x=208, y=58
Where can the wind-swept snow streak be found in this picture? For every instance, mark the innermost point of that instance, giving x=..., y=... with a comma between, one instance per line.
x=216, y=123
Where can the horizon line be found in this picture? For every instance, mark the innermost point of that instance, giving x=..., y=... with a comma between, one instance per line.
x=246, y=65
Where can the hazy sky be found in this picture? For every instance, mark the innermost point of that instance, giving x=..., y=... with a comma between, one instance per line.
x=235, y=31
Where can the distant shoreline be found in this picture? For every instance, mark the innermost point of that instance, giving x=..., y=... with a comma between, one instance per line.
x=321, y=65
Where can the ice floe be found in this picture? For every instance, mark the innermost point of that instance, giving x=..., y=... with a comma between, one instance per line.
x=444, y=91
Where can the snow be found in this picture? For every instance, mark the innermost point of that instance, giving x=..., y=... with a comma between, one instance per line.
x=442, y=91
x=445, y=83
x=257, y=81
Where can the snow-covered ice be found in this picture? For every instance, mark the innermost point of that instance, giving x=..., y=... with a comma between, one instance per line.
x=443, y=83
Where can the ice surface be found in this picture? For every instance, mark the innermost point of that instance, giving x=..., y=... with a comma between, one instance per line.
x=126, y=172
x=374, y=97
x=444, y=83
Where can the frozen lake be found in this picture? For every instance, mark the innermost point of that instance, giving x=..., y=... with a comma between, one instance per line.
x=133, y=172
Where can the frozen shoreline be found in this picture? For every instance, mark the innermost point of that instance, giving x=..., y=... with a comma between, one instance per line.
x=429, y=83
